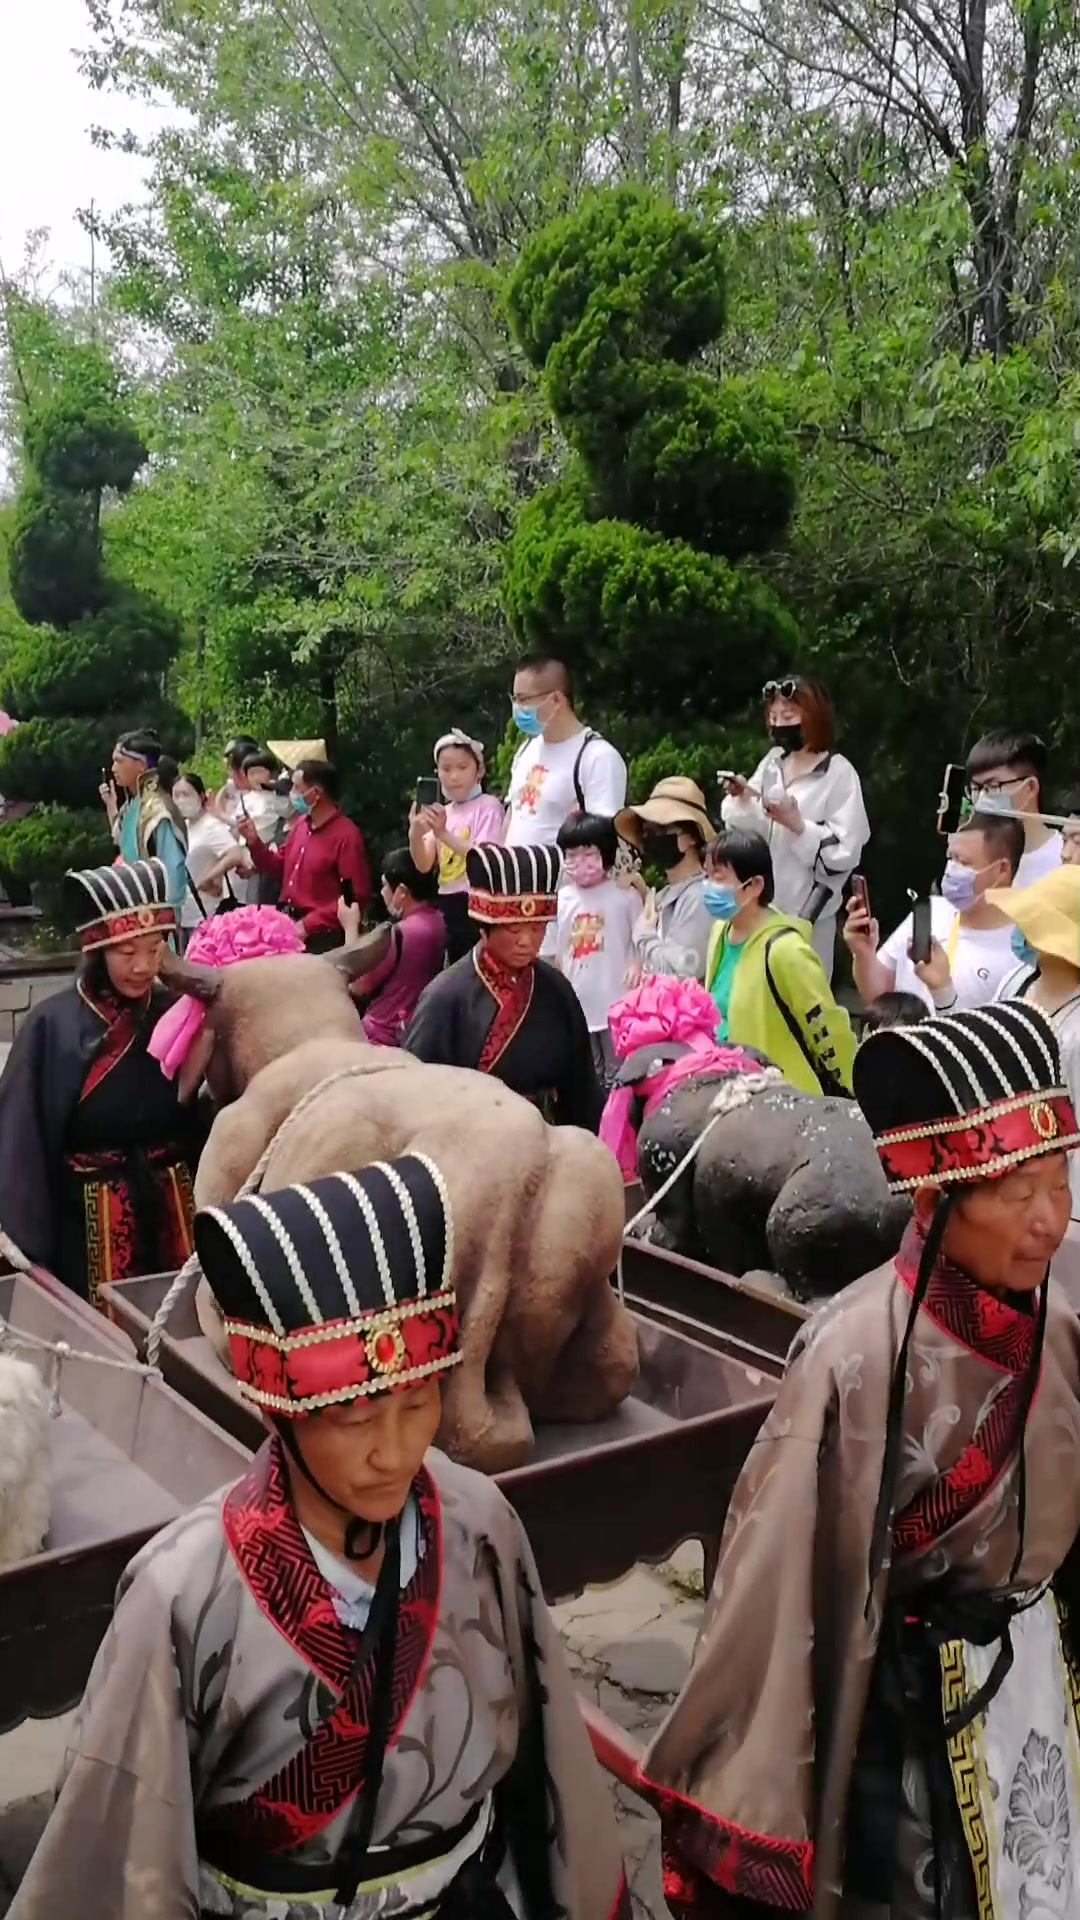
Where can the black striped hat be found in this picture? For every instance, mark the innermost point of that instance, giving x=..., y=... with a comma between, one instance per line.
x=965, y=1097
x=508, y=885
x=124, y=900
x=336, y=1289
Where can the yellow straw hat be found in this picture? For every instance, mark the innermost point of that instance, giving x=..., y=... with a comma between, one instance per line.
x=1047, y=914
x=674, y=802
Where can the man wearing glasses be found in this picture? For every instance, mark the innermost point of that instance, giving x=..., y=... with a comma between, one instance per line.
x=1006, y=771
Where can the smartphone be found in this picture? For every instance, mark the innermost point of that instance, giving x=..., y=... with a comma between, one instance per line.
x=951, y=799
x=347, y=892
x=860, y=891
x=922, y=932
x=724, y=774
x=427, y=790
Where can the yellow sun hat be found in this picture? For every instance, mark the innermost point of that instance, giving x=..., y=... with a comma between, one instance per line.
x=1047, y=914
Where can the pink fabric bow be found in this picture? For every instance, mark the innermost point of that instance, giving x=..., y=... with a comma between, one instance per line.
x=251, y=933
x=662, y=1008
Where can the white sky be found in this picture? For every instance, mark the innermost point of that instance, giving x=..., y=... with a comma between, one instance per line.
x=48, y=164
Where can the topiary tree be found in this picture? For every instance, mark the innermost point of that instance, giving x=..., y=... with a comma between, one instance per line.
x=636, y=565
x=84, y=655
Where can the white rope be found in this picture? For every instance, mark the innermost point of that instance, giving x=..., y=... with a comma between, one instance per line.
x=14, y=1340
x=732, y=1094
x=191, y=1267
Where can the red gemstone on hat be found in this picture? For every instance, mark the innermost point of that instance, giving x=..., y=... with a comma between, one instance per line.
x=386, y=1349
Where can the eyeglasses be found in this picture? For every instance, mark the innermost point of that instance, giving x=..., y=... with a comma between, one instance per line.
x=779, y=690
x=998, y=786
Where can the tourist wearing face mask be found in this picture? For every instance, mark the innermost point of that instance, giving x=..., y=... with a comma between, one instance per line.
x=1045, y=921
x=807, y=801
x=972, y=947
x=213, y=851
x=594, y=930
x=1006, y=771
x=672, y=829
x=562, y=767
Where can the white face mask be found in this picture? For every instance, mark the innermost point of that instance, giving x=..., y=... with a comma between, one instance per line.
x=189, y=805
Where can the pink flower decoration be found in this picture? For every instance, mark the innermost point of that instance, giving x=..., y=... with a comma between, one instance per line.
x=251, y=933
x=663, y=1008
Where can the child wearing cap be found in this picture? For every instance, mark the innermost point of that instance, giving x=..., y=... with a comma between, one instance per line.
x=442, y=835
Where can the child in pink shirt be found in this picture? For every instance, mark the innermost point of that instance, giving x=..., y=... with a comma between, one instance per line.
x=442, y=835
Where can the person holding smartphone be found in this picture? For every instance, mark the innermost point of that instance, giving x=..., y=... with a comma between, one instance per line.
x=324, y=848
x=970, y=944
x=445, y=821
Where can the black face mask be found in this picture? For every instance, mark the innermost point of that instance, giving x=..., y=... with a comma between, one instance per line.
x=664, y=849
x=789, y=739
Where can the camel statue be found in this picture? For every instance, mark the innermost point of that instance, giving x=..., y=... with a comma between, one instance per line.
x=535, y=1239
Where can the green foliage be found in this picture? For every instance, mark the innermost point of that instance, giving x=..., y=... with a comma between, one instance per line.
x=627, y=566
x=43, y=846
x=83, y=655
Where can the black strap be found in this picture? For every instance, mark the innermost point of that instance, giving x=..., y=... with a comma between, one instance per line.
x=378, y=1643
x=579, y=791
x=827, y=1081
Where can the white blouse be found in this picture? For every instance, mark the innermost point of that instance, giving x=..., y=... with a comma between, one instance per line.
x=829, y=845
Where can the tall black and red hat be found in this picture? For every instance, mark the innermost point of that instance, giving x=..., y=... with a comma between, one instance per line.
x=120, y=902
x=336, y=1289
x=513, y=886
x=965, y=1097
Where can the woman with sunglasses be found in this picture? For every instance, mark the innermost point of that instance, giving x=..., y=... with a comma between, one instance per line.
x=807, y=800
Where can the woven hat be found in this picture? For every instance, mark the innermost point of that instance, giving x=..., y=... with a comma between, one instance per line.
x=964, y=1097
x=337, y=1289
x=1047, y=914
x=672, y=803
x=122, y=902
x=513, y=886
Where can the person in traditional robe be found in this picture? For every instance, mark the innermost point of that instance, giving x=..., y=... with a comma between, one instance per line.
x=145, y=820
x=503, y=1010
x=97, y=1148
x=333, y=1690
x=881, y=1721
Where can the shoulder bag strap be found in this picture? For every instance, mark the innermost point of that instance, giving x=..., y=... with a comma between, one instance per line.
x=579, y=791
x=790, y=1021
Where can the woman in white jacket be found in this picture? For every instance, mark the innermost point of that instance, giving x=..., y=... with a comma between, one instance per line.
x=1047, y=921
x=808, y=803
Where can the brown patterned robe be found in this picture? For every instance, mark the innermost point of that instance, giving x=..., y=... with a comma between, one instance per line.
x=204, y=1725
x=753, y=1771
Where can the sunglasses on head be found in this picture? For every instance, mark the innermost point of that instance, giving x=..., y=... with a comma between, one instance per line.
x=779, y=690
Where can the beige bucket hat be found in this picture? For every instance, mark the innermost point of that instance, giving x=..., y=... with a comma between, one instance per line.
x=674, y=802
x=1047, y=914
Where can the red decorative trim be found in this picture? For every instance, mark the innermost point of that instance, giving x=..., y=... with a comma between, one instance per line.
x=129, y=925
x=511, y=909
x=120, y=1241
x=978, y=1146
x=121, y=1018
x=328, y=1769
x=755, y=1866
x=1004, y=1336
x=512, y=993
x=337, y=1360
x=623, y=1908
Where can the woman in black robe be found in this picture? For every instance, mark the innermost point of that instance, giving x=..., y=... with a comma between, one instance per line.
x=503, y=1010
x=96, y=1149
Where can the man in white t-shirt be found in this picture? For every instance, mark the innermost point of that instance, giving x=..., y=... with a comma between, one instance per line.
x=1006, y=772
x=971, y=950
x=562, y=767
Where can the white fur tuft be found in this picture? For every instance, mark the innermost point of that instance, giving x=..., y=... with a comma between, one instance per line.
x=741, y=1087
x=24, y=1460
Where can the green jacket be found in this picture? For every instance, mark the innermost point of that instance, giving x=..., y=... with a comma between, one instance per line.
x=755, y=1020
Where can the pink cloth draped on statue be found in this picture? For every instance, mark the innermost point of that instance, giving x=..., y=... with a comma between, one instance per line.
x=251, y=933
x=662, y=1009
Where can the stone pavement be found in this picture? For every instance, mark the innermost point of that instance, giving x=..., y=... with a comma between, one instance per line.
x=629, y=1646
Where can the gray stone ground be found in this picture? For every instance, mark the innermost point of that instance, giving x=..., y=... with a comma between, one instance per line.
x=629, y=1647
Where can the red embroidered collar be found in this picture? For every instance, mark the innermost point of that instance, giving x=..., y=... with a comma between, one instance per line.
x=273, y=1556
x=996, y=1329
x=512, y=993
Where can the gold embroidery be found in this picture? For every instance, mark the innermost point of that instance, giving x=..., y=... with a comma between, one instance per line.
x=385, y=1350
x=1044, y=1121
x=961, y=1751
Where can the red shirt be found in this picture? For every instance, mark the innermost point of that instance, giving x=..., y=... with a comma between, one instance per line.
x=312, y=865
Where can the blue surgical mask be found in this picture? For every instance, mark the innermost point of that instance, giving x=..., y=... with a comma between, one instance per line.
x=1022, y=948
x=301, y=803
x=721, y=902
x=527, y=721
x=958, y=885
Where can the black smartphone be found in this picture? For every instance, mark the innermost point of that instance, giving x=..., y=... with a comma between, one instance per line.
x=427, y=790
x=922, y=932
x=347, y=892
x=951, y=799
x=860, y=891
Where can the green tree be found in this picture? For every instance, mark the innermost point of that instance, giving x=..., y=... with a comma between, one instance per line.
x=637, y=563
x=84, y=654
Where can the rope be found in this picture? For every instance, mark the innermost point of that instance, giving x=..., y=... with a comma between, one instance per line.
x=191, y=1268
x=733, y=1094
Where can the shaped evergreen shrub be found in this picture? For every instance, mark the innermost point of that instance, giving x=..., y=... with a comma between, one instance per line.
x=636, y=565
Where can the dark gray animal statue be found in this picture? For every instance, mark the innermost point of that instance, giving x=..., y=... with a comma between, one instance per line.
x=787, y=1183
